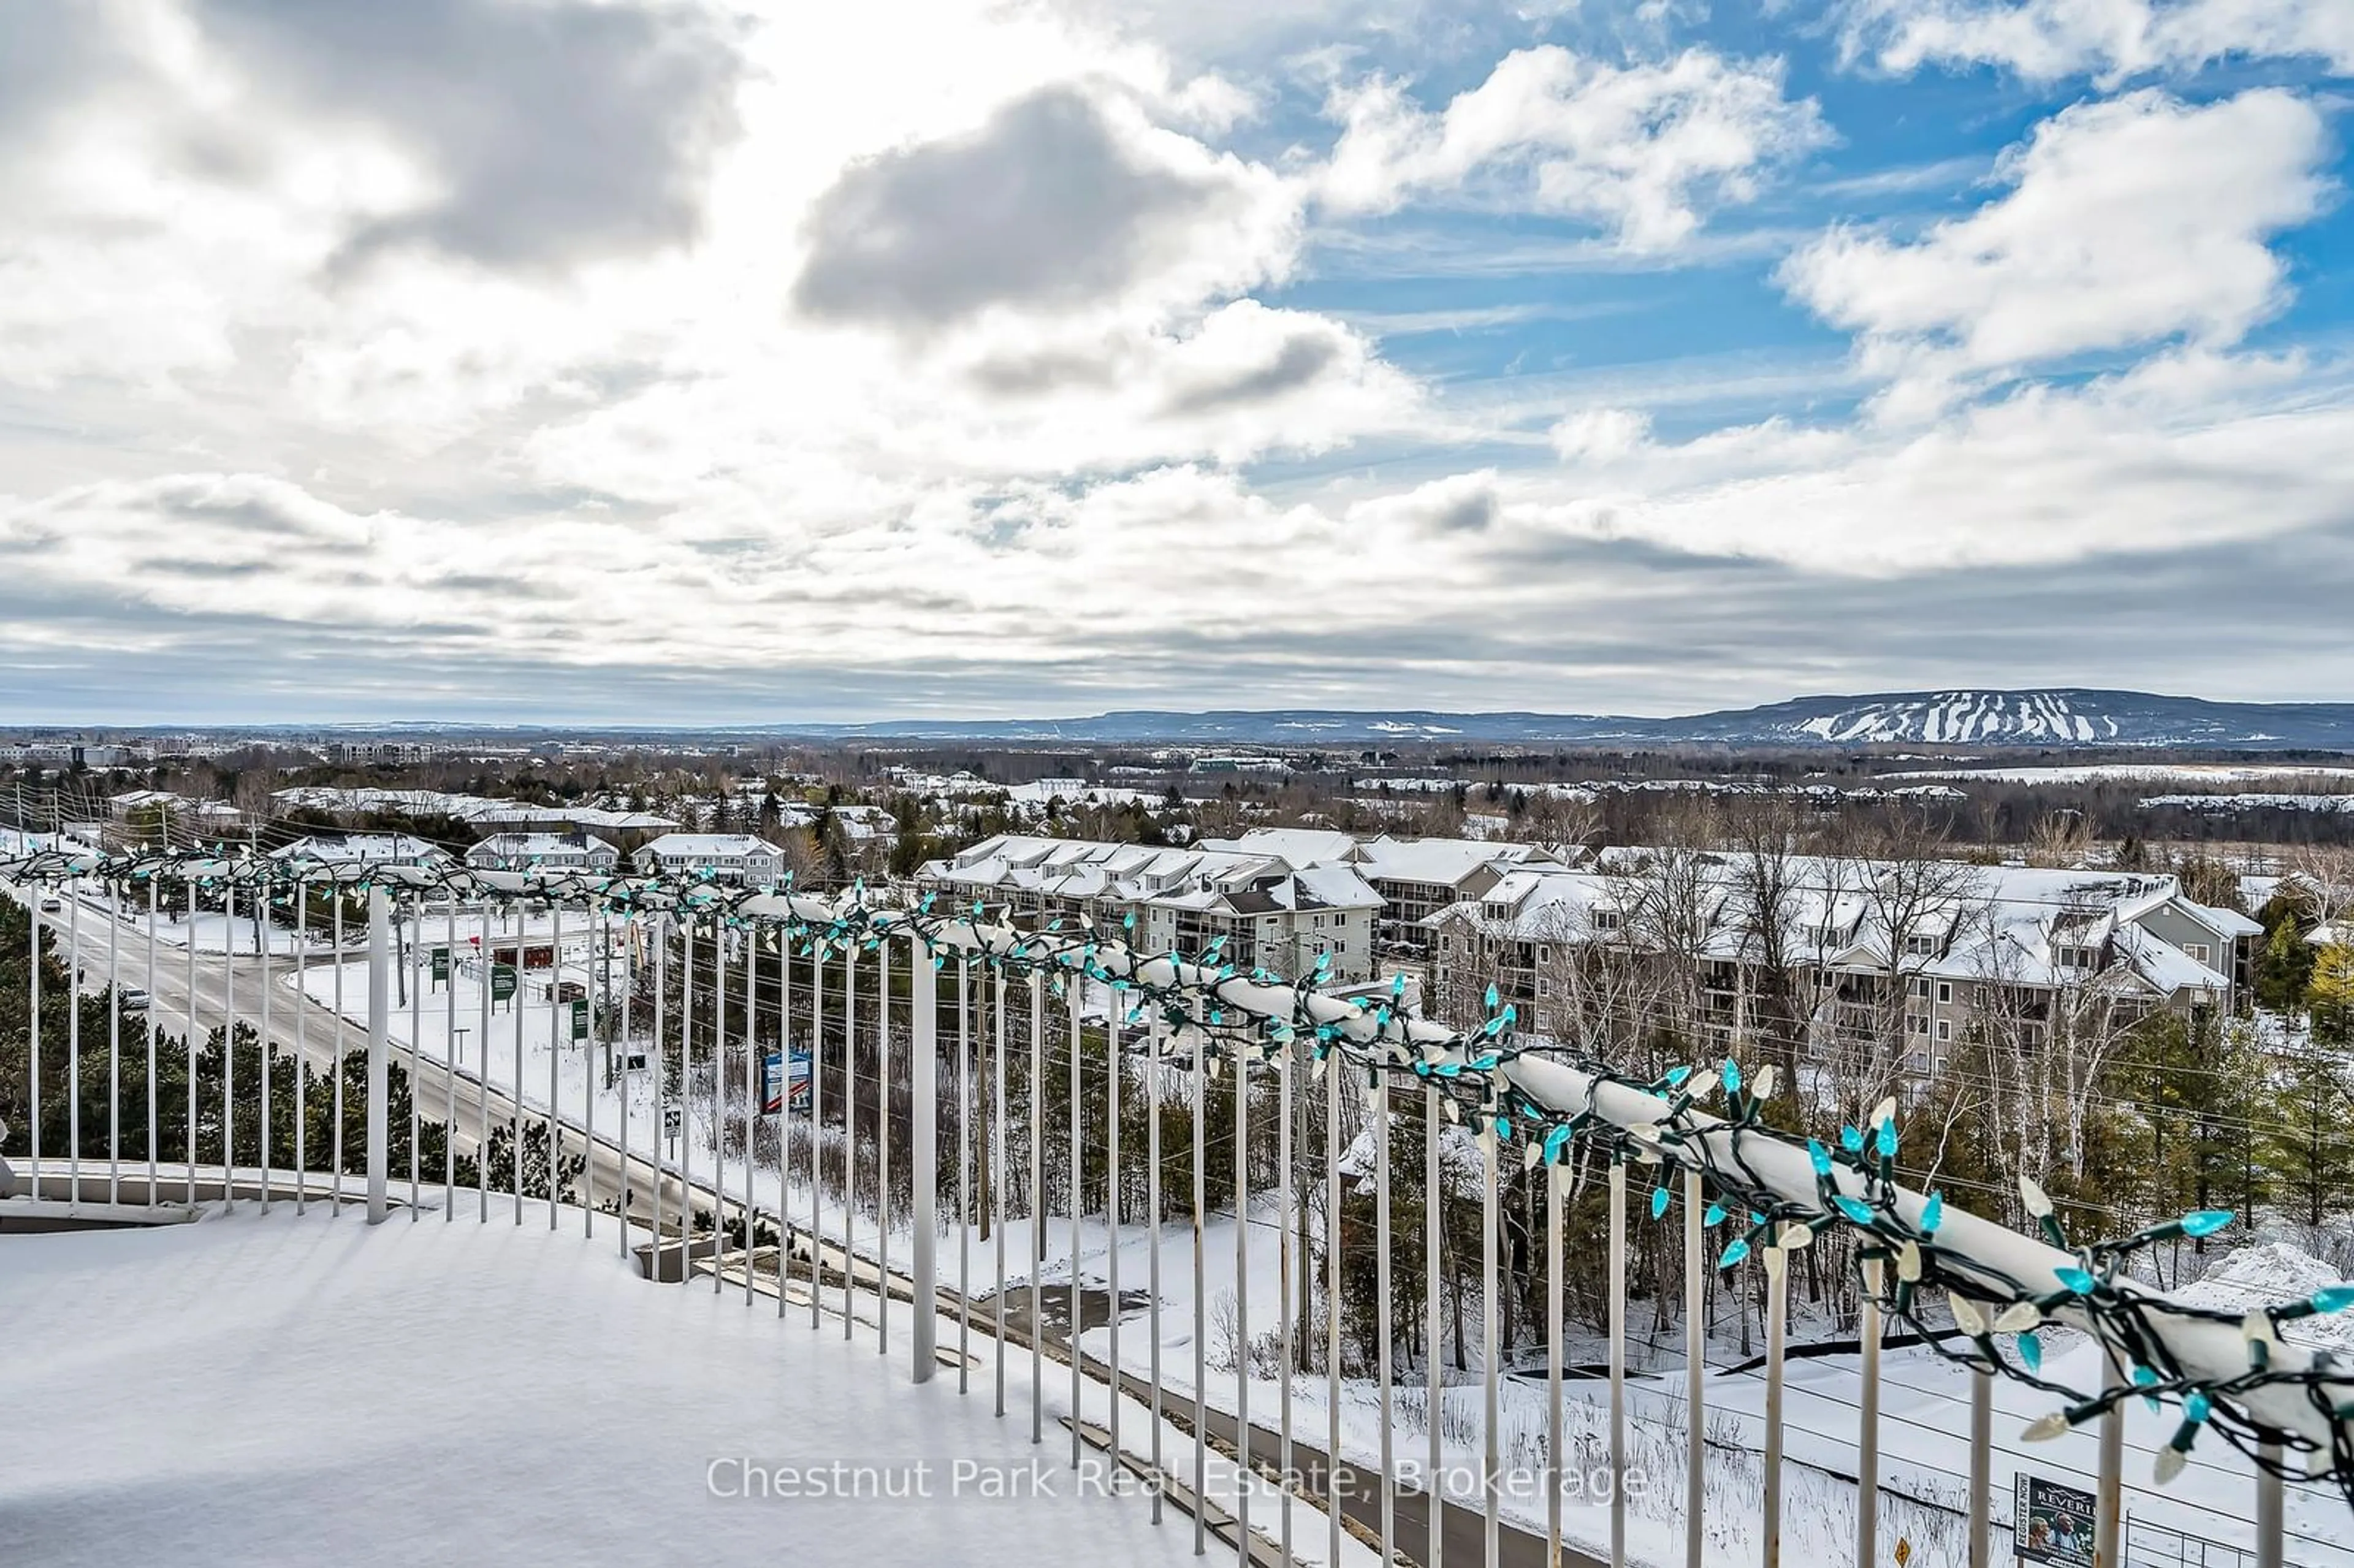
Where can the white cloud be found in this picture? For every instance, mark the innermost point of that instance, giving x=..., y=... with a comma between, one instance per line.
x=1638, y=150
x=2188, y=451
x=1600, y=435
x=2128, y=222
x=2045, y=40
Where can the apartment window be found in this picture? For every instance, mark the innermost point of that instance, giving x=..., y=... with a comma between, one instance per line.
x=1945, y=1031
x=1921, y=944
x=2196, y=949
x=1915, y=1023
x=1944, y=990
x=1920, y=986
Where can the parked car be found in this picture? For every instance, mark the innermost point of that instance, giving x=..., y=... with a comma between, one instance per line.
x=132, y=999
x=52, y=905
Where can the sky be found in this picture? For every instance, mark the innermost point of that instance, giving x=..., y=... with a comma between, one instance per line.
x=684, y=361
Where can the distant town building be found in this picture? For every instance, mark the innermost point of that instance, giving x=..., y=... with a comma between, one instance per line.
x=362, y=849
x=1271, y=914
x=544, y=852
x=727, y=857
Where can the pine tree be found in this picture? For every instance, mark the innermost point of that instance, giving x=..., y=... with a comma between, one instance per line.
x=2308, y=1149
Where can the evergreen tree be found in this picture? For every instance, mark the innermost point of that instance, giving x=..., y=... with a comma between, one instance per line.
x=2308, y=1142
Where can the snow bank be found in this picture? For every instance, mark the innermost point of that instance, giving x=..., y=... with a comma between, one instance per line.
x=277, y=1389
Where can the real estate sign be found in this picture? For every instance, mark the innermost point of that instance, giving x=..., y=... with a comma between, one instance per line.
x=502, y=982
x=774, y=1081
x=2051, y=1522
x=580, y=1019
x=441, y=966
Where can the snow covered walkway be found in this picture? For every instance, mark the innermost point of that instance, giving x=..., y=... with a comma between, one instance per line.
x=255, y=1390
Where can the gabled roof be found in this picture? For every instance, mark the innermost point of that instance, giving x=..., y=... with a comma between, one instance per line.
x=1446, y=863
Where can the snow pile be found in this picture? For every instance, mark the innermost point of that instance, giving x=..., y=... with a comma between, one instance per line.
x=286, y=1389
x=2267, y=1274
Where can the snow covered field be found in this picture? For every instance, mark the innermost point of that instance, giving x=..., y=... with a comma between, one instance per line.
x=2137, y=773
x=320, y=1391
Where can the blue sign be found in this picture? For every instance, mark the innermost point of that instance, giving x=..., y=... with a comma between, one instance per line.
x=773, y=1099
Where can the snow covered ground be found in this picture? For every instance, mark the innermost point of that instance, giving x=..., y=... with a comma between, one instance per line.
x=256, y=1389
x=2137, y=773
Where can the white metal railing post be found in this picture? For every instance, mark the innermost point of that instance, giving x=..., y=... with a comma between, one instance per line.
x=1332, y=1075
x=923, y=1075
x=33, y=1027
x=1285, y=1308
x=1111, y=1204
x=2270, y=1521
x=1556, y=1178
x=1981, y=1532
x=1152, y=1035
x=785, y=1117
x=263, y=919
x=756, y=1088
x=379, y=1019
x=1777, y=1326
x=1695, y=1365
x=849, y=1140
x=1383, y=1370
x=73, y=1051
x=817, y=1130
x=1617, y=1364
x=1078, y=1175
x=228, y=1043
x=483, y=1078
x=2108, y=1515
x=997, y=1182
x=154, y=1128
x=1201, y=1316
x=882, y=1148
x=1434, y=1389
x=1867, y=1448
x=114, y=1043
x=556, y=1017
x=719, y=1109
x=1242, y=1472
x=1490, y=1352
x=1037, y=1206
x=416, y=983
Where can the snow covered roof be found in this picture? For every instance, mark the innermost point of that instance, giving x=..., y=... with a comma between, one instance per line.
x=365, y=848
x=708, y=846
x=1446, y=861
x=1295, y=847
x=539, y=846
x=1216, y=881
x=476, y=808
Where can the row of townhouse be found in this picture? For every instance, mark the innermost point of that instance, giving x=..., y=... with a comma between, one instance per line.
x=1271, y=913
x=1932, y=949
x=724, y=857
x=1416, y=878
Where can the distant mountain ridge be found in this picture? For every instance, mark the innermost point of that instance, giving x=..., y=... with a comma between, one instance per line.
x=2064, y=717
